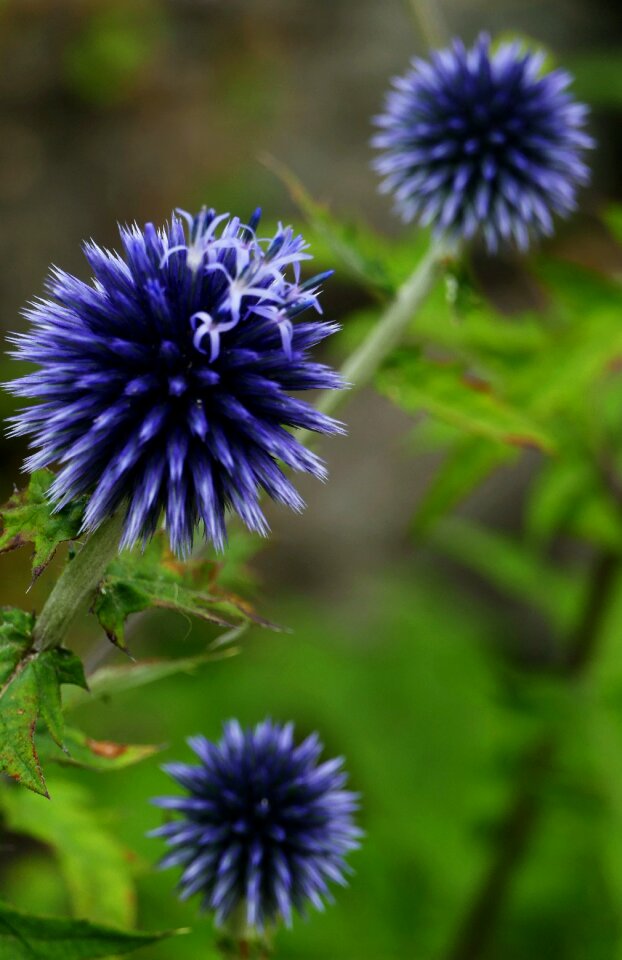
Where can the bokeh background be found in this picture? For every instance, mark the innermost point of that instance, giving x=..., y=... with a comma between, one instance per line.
x=112, y=110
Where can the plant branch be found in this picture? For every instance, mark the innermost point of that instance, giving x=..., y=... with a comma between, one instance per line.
x=582, y=649
x=360, y=367
x=77, y=584
x=430, y=22
x=522, y=817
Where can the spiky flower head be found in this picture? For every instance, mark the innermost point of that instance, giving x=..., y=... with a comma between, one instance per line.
x=264, y=824
x=166, y=382
x=485, y=142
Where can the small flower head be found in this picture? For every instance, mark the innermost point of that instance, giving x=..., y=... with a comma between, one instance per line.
x=263, y=823
x=483, y=142
x=166, y=382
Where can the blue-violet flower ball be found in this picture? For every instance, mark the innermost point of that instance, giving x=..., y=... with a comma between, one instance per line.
x=166, y=382
x=264, y=825
x=483, y=142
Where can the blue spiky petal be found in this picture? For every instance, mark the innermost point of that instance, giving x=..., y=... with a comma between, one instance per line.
x=166, y=384
x=482, y=142
x=262, y=823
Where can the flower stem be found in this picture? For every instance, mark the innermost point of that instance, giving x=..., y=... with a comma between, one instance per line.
x=77, y=584
x=360, y=367
x=238, y=941
x=430, y=21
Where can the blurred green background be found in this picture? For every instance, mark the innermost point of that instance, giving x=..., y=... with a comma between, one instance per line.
x=429, y=677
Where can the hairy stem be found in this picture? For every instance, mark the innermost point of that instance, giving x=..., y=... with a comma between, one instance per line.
x=77, y=584
x=360, y=367
x=522, y=817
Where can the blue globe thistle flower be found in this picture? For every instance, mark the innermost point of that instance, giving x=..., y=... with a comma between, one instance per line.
x=166, y=383
x=477, y=141
x=264, y=825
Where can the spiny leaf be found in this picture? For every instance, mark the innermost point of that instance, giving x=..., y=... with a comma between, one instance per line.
x=29, y=517
x=445, y=390
x=94, y=866
x=24, y=937
x=29, y=691
x=155, y=578
x=83, y=751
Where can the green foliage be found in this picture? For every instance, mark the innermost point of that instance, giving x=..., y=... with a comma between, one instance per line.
x=515, y=568
x=29, y=693
x=571, y=495
x=94, y=866
x=109, y=681
x=30, y=517
x=155, y=578
x=24, y=937
x=597, y=78
x=80, y=750
x=469, y=461
x=446, y=390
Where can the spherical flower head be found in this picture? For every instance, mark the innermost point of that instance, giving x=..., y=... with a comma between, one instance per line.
x=166, y=382
x=484, y=142
x=264, y=825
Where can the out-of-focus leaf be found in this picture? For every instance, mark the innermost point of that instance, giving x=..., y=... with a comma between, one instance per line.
x=417, y=383
x=512, y=567
x=612, y=217
x=155, y=578
x=93, y=864
x=83, y=751
x=23, y=937
x=597, y=77
x=108, y=681
x=29, y=517
x=469, y=462
x=29, y=692
x=569, y=496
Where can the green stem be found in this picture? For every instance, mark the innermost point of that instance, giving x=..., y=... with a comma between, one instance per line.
x=77, y=584
x=430, y=22
x=360, y=367
x=238, y=941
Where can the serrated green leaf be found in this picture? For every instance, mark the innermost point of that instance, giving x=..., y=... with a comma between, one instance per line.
x=417, y=383
x=29, y=692
x=29, y=517
x=24, y=937
x=83, y=751
x=94, y=866
x=155, y=578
